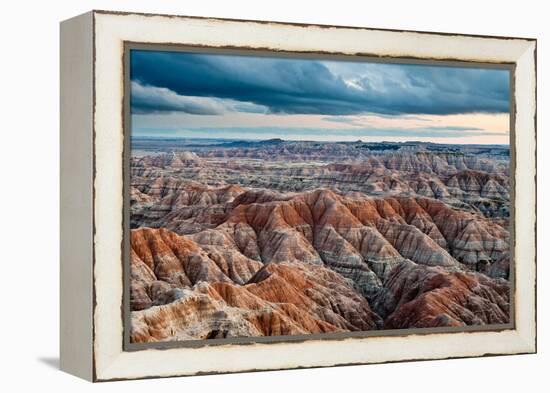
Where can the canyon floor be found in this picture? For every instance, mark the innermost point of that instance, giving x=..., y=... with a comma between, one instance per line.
x=268, y=238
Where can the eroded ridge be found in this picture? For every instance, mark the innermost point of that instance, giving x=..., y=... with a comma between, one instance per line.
x=284, y=240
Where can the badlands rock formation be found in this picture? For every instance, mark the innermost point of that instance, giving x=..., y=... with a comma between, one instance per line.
x=318, y=262
x=250, y=245
x=418, y=296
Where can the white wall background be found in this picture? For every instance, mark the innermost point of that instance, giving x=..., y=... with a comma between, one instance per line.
x=29, y=194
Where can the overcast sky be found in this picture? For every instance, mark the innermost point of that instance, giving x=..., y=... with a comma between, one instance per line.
x=212, y=96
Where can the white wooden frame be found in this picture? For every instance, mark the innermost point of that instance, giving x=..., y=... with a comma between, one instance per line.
x=92, y=89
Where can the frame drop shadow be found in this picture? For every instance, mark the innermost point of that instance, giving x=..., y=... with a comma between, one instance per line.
x=50, y=361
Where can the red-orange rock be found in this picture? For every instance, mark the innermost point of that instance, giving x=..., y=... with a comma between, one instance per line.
x=417, y=296
x=296, y=263
x=281, y=299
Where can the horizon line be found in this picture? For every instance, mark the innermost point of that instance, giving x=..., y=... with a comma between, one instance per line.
x=312, y=140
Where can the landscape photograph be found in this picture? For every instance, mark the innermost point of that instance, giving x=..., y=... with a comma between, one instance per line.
x=291, y=196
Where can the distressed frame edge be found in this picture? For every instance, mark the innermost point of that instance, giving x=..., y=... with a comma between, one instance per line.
x=527, y=92
x=126, y=116
x=528, y=340
x=305, y=25
x=76, y=196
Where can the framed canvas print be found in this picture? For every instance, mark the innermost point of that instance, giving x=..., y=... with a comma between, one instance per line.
x=246, y=195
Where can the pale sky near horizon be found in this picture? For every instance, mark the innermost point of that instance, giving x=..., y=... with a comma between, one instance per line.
x=221, y=96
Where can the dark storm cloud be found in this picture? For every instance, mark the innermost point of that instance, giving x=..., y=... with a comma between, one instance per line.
x=152, y=99
x=147, y=99
x=299, y=86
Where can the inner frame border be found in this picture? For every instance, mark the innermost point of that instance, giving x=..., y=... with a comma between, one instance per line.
x=128, y=46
